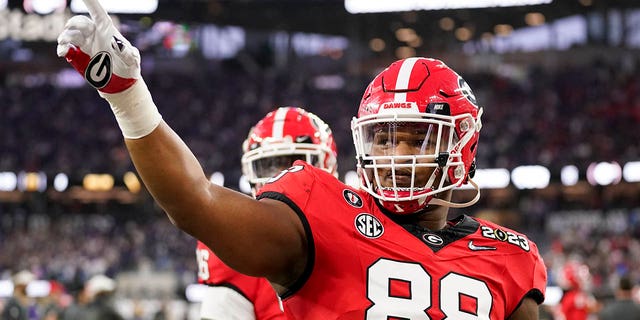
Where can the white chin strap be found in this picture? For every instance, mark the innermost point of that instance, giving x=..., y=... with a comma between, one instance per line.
x=440, y=202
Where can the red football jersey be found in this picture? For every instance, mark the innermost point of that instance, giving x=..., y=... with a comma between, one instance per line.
x=364, y=265
x=575, y=305
x=257, y=291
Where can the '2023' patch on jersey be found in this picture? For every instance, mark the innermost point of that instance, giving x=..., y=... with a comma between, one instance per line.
x=506, y=236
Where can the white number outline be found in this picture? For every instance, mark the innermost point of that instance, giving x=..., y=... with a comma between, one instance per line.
x=283, y=172
x=203, y=255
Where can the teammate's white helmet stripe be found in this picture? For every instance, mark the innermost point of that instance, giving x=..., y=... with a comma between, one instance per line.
x=278, y=122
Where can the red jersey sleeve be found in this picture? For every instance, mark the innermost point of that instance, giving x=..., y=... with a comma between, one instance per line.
x=294, y=183
x=260, y=298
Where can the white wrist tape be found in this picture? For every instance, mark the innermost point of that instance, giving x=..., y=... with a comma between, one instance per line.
x=135, y=111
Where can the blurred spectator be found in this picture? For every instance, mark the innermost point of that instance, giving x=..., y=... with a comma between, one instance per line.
x=79, y=309
x=98, y=298
x=623, y=307
x=162, y=313
x=100, y=290
x=19, y=305
x=566, y=119
x=52, y=305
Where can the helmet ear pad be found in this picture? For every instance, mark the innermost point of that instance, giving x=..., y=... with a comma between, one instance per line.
x=467, y=150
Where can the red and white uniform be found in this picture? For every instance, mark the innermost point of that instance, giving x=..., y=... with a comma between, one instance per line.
x=232, y=295
x=576, y=304
x=364, y=265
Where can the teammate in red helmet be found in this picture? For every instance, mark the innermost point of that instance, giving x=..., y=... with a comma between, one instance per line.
x=273, y=144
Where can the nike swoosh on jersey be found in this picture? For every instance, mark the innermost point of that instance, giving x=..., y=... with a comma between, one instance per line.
x=479, y=248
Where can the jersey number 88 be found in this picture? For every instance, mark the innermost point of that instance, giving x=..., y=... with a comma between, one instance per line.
x=413, y=307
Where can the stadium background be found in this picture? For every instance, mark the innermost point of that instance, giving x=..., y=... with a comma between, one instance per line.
x=559, y=83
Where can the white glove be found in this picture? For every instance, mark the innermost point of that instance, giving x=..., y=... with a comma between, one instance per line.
x=109, y=63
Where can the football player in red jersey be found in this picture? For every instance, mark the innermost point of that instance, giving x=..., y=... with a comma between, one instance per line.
x=577, y=302
x=383, y=251
x=273, y=144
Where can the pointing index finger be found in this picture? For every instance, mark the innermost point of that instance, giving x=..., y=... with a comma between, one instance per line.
x=98, y=14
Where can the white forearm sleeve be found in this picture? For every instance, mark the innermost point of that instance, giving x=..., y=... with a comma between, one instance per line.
x=135, y=111
x=222, y=303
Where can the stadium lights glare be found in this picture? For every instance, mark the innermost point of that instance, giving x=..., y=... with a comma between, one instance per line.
x=98, y=182
x=523, y=177
x=569, y=175
x=60, y=182
x=38, y=288
x=119, y=6
x=368, y=6
x=490, y=179
x=552, y=295
x=35, y=289
x=195, y=292
x=3, y=4
x=217, y=178
x=44, y=6
x=8, y=181
x=530, y=177
x=32, y=181
x=132, y=182
x=604, y=173
x=631, y=171
x=6, y=288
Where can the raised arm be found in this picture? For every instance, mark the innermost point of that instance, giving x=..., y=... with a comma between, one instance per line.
x=260, y=238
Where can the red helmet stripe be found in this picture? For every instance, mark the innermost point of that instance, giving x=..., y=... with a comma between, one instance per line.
x=404, y=76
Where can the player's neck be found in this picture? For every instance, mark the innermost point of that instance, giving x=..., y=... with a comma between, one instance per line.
x=431, y=218
x=435, y=219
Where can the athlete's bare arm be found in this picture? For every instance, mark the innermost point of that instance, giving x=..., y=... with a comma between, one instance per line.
x=528, y=310
x=263, y=238
x=259, y=238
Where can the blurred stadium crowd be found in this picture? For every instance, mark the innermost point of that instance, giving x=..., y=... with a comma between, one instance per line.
x=571, y=115
x=574, y=115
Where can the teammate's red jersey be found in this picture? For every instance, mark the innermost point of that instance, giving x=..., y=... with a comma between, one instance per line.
x=255, y=295
x=575, y=304
x=364, y=265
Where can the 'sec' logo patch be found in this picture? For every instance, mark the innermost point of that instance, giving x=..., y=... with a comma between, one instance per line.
x=369, y=226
